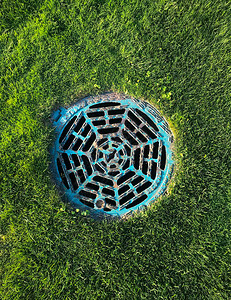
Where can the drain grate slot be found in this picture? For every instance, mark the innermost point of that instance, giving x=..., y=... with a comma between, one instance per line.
x=112, y=154
x=98, y=168
x=137, y=159
x=153, y=170
x=126, y=164
x=145, y=167
x=110, y=201
x=116, y=112
x=124, y=189
x=149, y=132
x=75, y=160
x=108, y=192
x=93, y=154
x=66, y=161
x=87, y=194
x=92, y=186
x=79, y=124
x=81, y=176
x=137, y=180
x=137, y=201
x=143, y=187
x=89, y=142
x=125, y=177
x=114, y=173
x=105, y=104
x=134, y=118
x=102, y=141
x=147, y=119
x=87, y=203
x=155, y=150
x=127, y=198
x=67, y=128
x=129, y=138
x=62, y=174
x=141, y=137
x=99, y=122
x=103, y=180
x=87, y=164
x=128, y=150
x=86, y=130
x=73, y=181
x=77, y=145
x=68, y=142
x=129, y=125
x=115, y=121
x=163, y=158
x=95, y=114
x=146, y=151
x=108, y=130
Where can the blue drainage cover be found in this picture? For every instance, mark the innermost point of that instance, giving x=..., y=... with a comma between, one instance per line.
x=113, y=154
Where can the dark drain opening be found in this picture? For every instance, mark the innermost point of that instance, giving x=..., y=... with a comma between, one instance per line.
x=124, y=189
x=68, y=142
x=141, y=137
x=137, y=180
x=137, y=159
x=163, y=158
x=103, y=180
x=125, y=177
x=90, y=204
x=89, y=142
x=66, y=129
x=149, y=132
x=87, y=164
x=134, y=118
x=92, y=186
x=108, y=192
x=87, y=194
x=81, y=176
x=66, y=161
x=155, y=150
x=73, y=181
x=115, y=121
x=99, y=122
x=143, y=187
x=105, y=104
x=129, y=138
x=108, y=130
x=98, y=168
x=86, y=130
x=77, y=145
x=76, y=160
x=79, y=124
x=95, y=114
x=146, y=151
x=62, y=174
x=147, y=119
x=145, y=167
x=126, y=198
x=110, y=201
x=116, y=112
x=137, y=201
x=153, y=170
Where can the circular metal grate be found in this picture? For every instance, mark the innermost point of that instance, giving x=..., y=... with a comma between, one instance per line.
x=112, y=154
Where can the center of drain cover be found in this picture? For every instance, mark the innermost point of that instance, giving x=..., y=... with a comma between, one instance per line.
x=113, y=154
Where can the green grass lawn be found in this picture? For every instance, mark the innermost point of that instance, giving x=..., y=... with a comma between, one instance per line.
x=175, y=54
